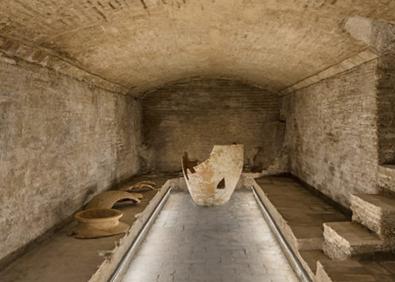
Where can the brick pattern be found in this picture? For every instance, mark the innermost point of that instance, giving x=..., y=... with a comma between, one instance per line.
x=61, y=142
x=386, y=108
x=13, y=50
x=144, y=43
x=332, y=133
x=192, y=116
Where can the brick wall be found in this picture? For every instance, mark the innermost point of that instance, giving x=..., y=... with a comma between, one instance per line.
x=386, y=108
x=61, y=142
x=331, y=133
x=192, y=116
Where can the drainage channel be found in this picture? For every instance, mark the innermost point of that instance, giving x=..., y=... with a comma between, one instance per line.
x=122, y=267
x=233, y=242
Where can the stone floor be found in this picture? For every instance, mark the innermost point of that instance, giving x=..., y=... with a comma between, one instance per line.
x=226, y=243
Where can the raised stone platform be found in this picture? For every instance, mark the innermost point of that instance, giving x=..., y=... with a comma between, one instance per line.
x=386, y=177
x=309, y=260
x=356, y=271
x=288, y=202
x=300, y=215
x=376, y=212
x=347, y=239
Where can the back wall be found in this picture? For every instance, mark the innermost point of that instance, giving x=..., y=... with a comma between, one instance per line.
x=192, y=116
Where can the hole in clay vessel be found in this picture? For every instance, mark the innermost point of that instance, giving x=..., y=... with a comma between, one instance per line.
x=221, y=184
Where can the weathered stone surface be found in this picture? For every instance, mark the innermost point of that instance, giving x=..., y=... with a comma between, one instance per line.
x=189, y=243
x=140, y=44
x=331, y=133
x=309, y=260
x=386, y=177
x=377, y=212
x=61, y=142
x=299, y=214
x=355, y=271
x=12, y=50
x=349, y=63
x=347, y=239
x=194, y=115
x=386, y=107
x=380, y=36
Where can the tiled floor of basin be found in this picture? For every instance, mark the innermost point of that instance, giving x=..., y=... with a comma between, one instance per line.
x=228, y=243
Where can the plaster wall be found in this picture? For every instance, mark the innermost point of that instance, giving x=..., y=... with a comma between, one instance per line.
x=61, y=142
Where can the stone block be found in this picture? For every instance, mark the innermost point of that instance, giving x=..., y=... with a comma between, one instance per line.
x=386, y=177
x=346, y=239
x=376, y=212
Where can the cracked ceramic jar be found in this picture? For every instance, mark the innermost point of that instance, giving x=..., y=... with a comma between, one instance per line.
x=213, y=181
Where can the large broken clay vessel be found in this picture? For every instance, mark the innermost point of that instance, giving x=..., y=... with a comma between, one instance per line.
x=96, y=223
x=108, y=199
x=142, y=186
x=213, y=181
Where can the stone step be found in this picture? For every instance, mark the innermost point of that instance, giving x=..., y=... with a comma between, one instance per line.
x=376, y=212
x=355, y=271
x=309, y=260
x=346, y=239
x=386, y=177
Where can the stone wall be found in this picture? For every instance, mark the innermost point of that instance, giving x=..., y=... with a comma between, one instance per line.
x=192, y=116
x=331, y=133
x=61, y=142
x=386, y=108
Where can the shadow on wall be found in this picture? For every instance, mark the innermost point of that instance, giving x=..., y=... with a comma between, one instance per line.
x=194, y=115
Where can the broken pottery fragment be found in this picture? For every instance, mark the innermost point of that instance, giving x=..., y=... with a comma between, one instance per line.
x=108, y=199
x=213, y=181
x=96, y=223
x=142, y=186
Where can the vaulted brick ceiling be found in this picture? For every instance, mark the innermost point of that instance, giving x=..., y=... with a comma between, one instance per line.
x=144, y=43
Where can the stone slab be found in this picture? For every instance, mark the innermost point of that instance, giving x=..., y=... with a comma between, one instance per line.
x=230, y=243
x=346, y=239
x=386, y=177
x=355, y=271
x=298, y=212
x=376, y=212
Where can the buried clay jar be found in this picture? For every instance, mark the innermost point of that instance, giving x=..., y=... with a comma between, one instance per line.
x=95, y=223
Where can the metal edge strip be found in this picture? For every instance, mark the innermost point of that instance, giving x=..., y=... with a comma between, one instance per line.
x=127, y=258
x=292, y=258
